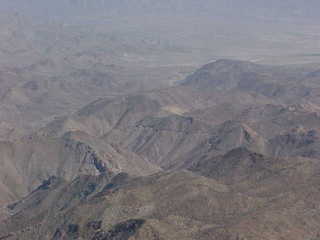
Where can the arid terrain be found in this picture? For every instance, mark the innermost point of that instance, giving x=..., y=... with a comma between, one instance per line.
x=190, y=125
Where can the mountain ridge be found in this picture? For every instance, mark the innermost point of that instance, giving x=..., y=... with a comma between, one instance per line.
x=184, y=162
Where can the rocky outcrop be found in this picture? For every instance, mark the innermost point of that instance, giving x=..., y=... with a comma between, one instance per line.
x=296, y=142
x=121, y=231
x=90, y=163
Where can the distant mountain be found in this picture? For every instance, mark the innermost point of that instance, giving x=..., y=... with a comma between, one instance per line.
x=284, y=84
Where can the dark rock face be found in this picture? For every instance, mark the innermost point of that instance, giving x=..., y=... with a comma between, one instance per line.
x=73, y=231
x=89, y=189
x=296, y=143
x=57, y=235
x=73, y=228
x=121, y=231
x=47, y=183
x=94, y=225
x=86, y=154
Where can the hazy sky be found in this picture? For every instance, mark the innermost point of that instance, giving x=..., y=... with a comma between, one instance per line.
x=273, y=8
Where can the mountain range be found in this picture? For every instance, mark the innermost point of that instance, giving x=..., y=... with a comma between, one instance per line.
x=211, y=158
x=159, y=120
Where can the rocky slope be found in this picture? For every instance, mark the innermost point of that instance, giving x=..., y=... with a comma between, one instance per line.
x=217, y=157
x=246, y=195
